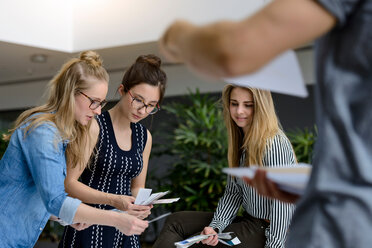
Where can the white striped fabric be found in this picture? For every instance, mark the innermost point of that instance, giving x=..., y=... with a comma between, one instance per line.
x=279, y=152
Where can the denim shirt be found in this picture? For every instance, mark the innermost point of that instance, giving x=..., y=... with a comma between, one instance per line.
x=32, y=174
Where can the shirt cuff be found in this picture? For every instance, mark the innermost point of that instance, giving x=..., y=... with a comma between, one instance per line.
x=68, y=209
x=219, y=225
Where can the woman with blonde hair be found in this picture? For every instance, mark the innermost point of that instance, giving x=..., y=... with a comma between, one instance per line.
x=118, y=165
x=44, y=139
x=254, y=138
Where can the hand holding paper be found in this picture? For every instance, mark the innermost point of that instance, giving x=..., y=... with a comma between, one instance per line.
x=225, y=238
x=289, y=178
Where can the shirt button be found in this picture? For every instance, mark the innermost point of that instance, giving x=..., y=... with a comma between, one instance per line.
x=41, y=229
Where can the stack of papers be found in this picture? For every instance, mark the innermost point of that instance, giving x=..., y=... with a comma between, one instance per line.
x=291, y=178
x=224, y=238
x=144, y=197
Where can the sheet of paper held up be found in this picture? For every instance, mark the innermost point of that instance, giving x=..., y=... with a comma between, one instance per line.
x=281, y=75
x=144, y=197
x=291, y=178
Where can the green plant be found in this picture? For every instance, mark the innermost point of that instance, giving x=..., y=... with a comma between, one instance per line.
x=199, y=146
x=303, y=143
x=52, y=232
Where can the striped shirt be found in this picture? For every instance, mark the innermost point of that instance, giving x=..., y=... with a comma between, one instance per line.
x=278, y=152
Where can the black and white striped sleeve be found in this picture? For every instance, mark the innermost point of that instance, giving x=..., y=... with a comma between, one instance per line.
x=279, y=153
x=228, y=205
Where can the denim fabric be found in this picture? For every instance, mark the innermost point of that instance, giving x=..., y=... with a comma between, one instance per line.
x=336, y=209
x=32, y=173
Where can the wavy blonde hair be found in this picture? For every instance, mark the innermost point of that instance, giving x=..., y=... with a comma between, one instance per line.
x=75, y=75
x=264, y=126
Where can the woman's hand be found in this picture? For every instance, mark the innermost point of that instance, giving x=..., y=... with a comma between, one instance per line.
x=139, y=211
x=211, y=240
x=80, y=226
x=130, y=225
x=126, y=203
x=122, y=202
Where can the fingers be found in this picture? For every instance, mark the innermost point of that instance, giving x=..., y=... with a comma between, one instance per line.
x=139, y=211
x=140, y=207
x=138, y=226
x=281, y=195
x=164, y=47
x=211, y=240
x=260, y=182
x=266, y=187
x=169, y=43
x=140, y=214
x=80, y=226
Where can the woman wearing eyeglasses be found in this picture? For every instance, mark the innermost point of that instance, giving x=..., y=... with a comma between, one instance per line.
x=118, y=166
x=33, y=167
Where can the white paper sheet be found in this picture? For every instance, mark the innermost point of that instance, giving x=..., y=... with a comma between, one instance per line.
x=165, y=201
x=288, y=177
x=159, y=217
x=281, y=75
x=144, y=197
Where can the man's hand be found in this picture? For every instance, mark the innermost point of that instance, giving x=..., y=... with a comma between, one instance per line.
x=267, y=188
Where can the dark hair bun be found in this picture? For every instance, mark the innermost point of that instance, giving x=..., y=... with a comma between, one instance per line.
x=150, y=59
x=91, y=58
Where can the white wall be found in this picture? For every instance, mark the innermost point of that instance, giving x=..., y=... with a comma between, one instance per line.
x=76, y=25
x=179, y=80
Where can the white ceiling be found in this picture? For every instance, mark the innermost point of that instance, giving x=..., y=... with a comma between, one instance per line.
x=119, y=30
x=16, y=66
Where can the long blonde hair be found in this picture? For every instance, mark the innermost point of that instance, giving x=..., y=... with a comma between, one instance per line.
x=74, y=76
x=264, y=126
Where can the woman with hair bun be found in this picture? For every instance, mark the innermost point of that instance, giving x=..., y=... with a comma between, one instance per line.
x=118, y=165
x=44, y=139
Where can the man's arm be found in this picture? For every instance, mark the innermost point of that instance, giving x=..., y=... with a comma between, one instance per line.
x=226, y=49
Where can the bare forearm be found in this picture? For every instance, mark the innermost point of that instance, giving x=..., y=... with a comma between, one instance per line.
x=125, y=223
x=226, y=49
x=87, y=194
x=87, y=214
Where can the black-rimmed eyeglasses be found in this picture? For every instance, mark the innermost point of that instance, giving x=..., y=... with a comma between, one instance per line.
x=139, y=103
x=94, y=104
